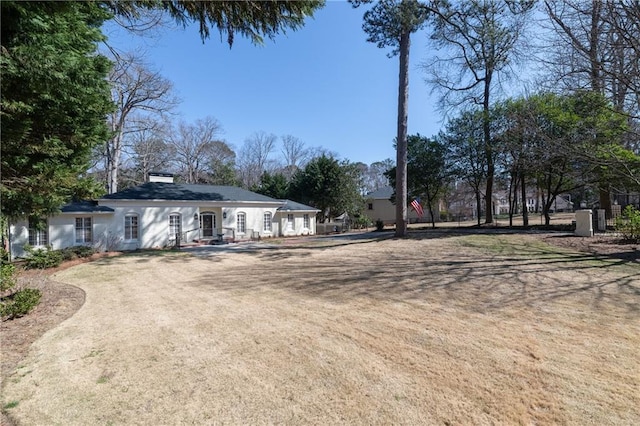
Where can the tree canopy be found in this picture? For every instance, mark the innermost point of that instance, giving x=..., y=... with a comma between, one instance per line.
x=390, y=23
x=427, y=171
x=252, y=19
x=328, y=185
x=55, y=98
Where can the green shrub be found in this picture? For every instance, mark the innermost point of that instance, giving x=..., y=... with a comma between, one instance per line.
x=7, y=278
x=19, y=303
x=361, y=222
x=76, y=252
x=7, y=272
x=379, y=225
x=629, y=224
x=42, y=258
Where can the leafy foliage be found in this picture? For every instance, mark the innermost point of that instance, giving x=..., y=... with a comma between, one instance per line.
x=7, y=276
x=328, y=185
x=273, y=185
x=427, y=171
x=20, y=303
x=385, y=22
x=16, y=303
x=77, y=252
x=54, y=101
x=252, y=19
x=629, y=224
x=42, y=258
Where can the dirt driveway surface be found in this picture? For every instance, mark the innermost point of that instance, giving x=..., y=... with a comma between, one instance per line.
x=435, y=329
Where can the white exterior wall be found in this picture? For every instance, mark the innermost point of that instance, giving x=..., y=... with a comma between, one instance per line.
x=254, y=221
x=18, y=237
x=153, y=222
x=61, y=232
x=298, y=223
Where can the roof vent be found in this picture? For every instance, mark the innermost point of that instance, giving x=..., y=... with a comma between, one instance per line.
x=161, y=177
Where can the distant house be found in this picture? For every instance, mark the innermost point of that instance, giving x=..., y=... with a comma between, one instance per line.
x=160, y=212
x=378, y=206
x=562, y=203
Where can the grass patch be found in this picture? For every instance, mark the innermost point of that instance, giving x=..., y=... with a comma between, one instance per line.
x=102, y=379
x=10, y=405
x=503, y=246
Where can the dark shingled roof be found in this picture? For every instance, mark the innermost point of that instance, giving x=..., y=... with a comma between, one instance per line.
x=85, y=207
x=383, y=193
x=187, y=192
x=293, y=206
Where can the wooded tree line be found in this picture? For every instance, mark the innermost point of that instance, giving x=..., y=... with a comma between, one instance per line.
x=477, y=46
x=546, y=144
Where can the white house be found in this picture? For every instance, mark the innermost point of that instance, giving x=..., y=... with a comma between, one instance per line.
x=157, y=213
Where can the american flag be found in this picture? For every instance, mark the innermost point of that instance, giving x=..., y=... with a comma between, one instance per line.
x=417, y=207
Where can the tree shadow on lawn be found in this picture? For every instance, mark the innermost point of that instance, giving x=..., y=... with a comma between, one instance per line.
x=479, y=282
x=145, y=256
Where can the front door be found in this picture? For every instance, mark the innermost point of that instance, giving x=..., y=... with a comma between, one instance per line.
x=208, y=224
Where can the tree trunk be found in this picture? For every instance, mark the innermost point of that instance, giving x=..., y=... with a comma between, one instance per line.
x=478, y=206
x=525, y=206
x=401, y=142
x=113, y=162
x=486, y=128
x=433, y=218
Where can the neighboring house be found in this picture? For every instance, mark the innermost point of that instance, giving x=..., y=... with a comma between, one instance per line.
x=378, y=206
x=562, y=203
x=157, y=213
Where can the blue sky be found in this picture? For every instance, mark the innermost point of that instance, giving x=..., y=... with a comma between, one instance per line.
x=324, y=83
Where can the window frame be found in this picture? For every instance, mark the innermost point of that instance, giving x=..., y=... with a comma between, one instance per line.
x=306, y=221
x=241, y=222
x=291, y=222
x=38, y=237
x=130, y=227
x=84, y=229
x=173, y=224
x=267, y=219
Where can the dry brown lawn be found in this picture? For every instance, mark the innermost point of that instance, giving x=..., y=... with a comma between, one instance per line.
x=438, y=329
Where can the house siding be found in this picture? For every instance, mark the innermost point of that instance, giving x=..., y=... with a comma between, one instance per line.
x=61, y=231
x=298, y=224
x=385, y=210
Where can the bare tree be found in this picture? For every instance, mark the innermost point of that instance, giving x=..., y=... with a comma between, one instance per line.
x=594, y=46
x=148, y=150
x=194, y=146
x=223, y=161
x=480, y=40
x=296, y=155
x=376, y=178
x=253, y=159
x=136, y=90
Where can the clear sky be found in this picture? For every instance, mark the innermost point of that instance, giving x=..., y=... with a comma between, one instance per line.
x=324, y=83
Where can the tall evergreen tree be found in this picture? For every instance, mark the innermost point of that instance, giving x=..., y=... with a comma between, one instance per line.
x=328, y=185
x=55, y=98
x=389, y=23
